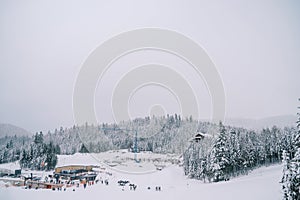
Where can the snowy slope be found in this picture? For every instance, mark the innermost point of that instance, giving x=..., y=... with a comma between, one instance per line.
x=262, y=183
x=121, y=160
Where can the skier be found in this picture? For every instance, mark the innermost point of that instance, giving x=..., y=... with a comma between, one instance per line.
x=84, y=183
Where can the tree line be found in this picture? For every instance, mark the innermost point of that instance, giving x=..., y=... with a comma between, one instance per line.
x=291, y=167
x=224, y=152
x=233, y=152
x=39, y=155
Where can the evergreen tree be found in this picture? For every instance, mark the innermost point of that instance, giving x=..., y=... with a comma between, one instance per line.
x=38, y=138
x=193, y=161
x=287, y=176
x=51, y=157
x=220, y=156
x=40, y=156
x=83, y=149
x=295, y=178
x=295, y=164
x=291, y=179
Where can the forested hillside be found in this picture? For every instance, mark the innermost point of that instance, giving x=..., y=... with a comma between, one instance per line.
x=233, y=152
x=223, y=152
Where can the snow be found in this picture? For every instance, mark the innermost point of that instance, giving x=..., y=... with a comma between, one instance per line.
x=120, y=160
x=11, y=166
x=262, y=183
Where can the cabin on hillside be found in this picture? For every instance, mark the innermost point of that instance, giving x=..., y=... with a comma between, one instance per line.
x=198, y=137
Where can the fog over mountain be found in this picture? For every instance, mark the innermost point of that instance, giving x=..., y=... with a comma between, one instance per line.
x=280, y=121
x=11, y=130
x=255, y=47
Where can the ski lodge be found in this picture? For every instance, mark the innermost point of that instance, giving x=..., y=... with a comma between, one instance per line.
x=70, y=168
x=76, y=172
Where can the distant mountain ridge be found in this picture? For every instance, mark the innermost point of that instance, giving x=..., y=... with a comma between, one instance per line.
x=11, y=130
x=257, y=124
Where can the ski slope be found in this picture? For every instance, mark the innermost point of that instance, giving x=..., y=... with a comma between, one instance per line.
x=262, y=183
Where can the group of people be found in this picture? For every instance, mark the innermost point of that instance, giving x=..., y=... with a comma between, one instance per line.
x=157, y=188
x=102, y=182
x=132, y=186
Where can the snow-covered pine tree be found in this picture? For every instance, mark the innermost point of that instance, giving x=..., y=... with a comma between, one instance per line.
x=235, y=150
x=295, y=163
x=51, y=158
x=295, y=178
x=291, y=186
x=250, y=153
x=186, y=162
x=193, y=164
x=220, y=156
x=287, y=176
x=83, y=149
x=40, y=156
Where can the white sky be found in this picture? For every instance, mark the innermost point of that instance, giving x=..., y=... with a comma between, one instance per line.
x=255, y=45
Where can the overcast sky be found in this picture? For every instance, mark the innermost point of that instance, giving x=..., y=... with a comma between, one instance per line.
x=255, y=46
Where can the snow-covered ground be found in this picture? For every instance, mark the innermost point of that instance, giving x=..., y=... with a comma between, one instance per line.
x=121, y=160
x=262, y=183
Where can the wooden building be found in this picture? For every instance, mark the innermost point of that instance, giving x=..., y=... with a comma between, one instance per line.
x=198, y=137
x=70, y=168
